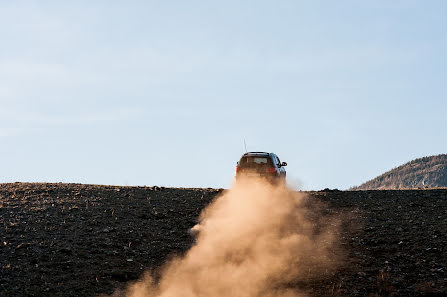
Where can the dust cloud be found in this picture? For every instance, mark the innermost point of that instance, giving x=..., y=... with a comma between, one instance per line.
x=254, y=240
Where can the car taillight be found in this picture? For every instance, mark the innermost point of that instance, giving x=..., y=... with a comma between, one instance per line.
x=271, y=170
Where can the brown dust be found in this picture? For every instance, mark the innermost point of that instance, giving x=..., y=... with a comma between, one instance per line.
x=254, y=240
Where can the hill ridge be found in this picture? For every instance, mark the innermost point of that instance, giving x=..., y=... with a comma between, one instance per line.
x=424, y=172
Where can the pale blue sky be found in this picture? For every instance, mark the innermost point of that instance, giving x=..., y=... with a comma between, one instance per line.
x=165, y=92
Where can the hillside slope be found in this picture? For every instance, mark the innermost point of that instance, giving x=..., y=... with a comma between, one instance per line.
x=426, y=172
x=73, y=240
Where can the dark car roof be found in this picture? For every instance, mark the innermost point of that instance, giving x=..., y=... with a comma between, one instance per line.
x=264, y=154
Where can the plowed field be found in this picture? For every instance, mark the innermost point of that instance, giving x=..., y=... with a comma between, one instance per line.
x=86, y=240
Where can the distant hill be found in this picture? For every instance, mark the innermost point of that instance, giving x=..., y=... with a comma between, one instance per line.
x=426, y=172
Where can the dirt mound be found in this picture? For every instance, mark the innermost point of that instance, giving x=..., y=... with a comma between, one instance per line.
x=86, y=240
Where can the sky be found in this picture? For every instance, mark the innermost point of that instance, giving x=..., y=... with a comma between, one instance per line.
x=165, y=92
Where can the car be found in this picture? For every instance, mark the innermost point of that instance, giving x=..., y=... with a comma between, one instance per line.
x=262, y=165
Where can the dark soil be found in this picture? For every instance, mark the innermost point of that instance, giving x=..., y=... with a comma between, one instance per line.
x=85, y=240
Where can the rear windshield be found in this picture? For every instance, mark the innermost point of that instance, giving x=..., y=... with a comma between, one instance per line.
x=255, y=161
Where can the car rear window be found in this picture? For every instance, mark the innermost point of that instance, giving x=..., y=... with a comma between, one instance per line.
x=255, y=161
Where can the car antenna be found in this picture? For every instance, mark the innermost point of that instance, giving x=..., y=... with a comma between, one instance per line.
x=245, y=145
